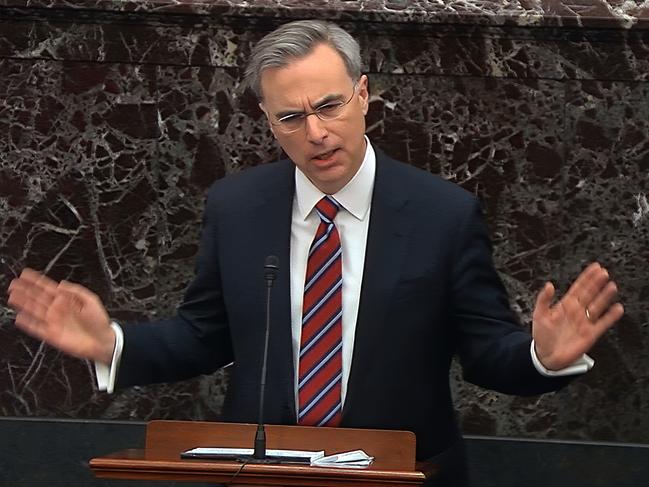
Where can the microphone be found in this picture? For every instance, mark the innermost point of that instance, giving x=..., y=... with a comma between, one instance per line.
x=271, y=267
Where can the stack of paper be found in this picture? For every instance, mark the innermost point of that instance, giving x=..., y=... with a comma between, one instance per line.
x=241, y=454
x=351, y=459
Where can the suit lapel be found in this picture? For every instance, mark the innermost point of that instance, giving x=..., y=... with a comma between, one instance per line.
x=272, y=220
x=384, y=254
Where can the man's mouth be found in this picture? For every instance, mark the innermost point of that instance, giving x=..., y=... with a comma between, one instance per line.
x=325, y=155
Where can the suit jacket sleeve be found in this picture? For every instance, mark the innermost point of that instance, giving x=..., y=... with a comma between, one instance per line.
x=493, y=347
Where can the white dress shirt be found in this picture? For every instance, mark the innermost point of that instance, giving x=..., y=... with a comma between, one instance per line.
x=352, y=222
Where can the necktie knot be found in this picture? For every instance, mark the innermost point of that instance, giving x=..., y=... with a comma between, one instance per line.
x=327, y=209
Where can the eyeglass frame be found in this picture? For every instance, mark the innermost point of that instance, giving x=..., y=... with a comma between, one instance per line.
x=317, y=112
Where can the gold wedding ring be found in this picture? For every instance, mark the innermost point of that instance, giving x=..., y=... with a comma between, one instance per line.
x=588, y=314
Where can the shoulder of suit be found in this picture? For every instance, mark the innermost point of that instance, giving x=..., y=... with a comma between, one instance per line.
x=254, y=179
x=421, y=184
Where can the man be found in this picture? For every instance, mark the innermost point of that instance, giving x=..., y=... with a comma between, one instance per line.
x=386, y=273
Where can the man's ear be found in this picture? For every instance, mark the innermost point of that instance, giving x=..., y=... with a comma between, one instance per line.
x=364, y=93
x=270, y=125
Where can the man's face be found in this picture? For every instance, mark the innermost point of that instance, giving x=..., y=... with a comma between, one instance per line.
x=328, y=152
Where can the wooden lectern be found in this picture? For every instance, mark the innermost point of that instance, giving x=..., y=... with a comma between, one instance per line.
x=393, y=452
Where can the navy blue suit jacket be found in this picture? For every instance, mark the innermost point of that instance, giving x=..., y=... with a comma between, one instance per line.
x=430, y=290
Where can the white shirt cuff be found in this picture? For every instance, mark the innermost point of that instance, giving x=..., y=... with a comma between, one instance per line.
x=107, y=374
x=579, y=366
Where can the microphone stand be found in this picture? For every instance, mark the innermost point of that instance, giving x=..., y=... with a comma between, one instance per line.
x=271, y=267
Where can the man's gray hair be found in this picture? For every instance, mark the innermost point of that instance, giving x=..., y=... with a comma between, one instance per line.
x=294, y=41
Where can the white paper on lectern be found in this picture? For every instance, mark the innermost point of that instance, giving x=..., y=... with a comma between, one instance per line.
x=311, y=455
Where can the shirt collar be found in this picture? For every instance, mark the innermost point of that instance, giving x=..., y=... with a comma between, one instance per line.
x=355, y=196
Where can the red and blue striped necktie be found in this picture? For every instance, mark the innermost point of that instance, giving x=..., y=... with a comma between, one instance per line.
x=320, y=363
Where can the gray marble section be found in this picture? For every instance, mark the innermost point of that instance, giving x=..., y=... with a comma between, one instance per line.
x=528, y=13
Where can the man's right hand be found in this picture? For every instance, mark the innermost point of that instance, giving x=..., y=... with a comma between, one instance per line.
x=65, y=315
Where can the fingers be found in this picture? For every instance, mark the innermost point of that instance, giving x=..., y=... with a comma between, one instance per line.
x=32, y=326
x=594, y=291
x=596, y=295
x=605, y=321
x=31, y=295
x=79, y=292
x=31, y=278
x=612, y=315
x=65, y=315
x=32, y=292
x=589, y=284
x=602, y=301
x=544, y=299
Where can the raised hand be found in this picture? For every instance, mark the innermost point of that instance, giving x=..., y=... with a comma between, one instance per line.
x=564, y=331
x=65, y=315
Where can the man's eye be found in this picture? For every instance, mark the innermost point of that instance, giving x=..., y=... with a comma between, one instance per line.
x=329, y=107
x=290, y=118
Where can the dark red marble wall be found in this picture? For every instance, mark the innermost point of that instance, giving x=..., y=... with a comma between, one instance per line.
x=116, y=117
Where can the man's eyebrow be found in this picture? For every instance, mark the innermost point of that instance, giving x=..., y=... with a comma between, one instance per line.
x=322, y=101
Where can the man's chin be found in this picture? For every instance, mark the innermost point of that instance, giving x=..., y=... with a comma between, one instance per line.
x=330, y=181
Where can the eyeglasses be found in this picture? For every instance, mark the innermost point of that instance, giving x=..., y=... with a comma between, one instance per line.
x=329, y=111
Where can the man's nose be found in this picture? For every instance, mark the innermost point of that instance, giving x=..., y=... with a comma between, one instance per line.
x=315, y=128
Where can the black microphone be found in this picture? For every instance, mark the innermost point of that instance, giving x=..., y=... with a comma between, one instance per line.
x=271, y=267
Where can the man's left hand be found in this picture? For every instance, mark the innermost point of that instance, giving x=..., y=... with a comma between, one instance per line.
x=564, y=331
